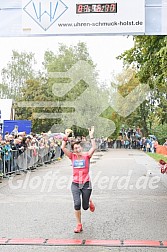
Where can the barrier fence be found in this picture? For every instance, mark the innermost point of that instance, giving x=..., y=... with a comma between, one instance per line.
x=15, y=161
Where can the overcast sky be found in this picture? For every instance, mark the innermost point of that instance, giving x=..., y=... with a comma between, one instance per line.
x=102, y=49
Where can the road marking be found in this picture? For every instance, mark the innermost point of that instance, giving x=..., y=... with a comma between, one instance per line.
x=82, y=242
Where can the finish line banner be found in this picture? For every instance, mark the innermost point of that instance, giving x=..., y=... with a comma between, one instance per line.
x=64, y=17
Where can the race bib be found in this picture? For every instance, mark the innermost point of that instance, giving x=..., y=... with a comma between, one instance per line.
x=79, y=163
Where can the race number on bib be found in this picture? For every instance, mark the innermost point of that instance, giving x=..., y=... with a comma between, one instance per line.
x=79, y=164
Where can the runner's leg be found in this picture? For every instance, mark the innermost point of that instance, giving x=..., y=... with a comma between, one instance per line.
x=86, y=192
x=76, y=192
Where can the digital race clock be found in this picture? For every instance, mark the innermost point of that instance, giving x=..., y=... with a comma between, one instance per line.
x=96, y=8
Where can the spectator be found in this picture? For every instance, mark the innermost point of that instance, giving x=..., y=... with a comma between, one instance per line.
x=7, y=154
x=155, y=145
x=15, y=131
x=6, y=135
x=165, y=144
x=148, y=145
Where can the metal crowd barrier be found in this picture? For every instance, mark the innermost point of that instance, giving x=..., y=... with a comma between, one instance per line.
x=14, y=161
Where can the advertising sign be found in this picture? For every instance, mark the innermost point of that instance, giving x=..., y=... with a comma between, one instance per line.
x=64, y=17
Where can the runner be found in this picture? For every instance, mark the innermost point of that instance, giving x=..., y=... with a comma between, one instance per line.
x=81, y=184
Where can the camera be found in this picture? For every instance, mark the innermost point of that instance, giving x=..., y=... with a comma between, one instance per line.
x=69, y=132
x=70, y=135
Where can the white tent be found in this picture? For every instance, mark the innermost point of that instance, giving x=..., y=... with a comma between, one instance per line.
x=6, y=110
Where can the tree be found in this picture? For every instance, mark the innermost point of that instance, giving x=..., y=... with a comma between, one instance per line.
x=3, y=91
x=123, y=84
x=149, y=58
x=17, y=72
x=86, y=102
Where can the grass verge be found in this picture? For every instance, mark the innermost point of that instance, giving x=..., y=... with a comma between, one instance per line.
x=157, y=157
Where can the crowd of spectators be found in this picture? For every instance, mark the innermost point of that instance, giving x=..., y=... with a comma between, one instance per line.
x=41, y=148
x=133, y=139
x=45, y=147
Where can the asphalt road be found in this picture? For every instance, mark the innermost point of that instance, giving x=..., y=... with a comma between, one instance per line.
x=129, y=192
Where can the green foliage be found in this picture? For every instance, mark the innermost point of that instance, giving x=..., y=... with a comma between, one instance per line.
x=3, y=91
x=148, y=56
x=147, y=61
x=156, y=156
x=16, y=73
x=40, y=91
x=66, y=57
x=123, y=84
x=110, y=114
x=160, y=131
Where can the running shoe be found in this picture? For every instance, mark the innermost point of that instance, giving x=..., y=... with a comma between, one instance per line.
x=91, y=206
x=78, y=228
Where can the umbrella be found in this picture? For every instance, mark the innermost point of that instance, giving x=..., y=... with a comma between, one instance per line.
x=57, y=135
x=152, y=136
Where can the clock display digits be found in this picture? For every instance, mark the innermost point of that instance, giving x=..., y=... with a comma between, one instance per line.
x=96, y=8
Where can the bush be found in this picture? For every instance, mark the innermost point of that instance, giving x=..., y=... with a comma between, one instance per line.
x=160, y=132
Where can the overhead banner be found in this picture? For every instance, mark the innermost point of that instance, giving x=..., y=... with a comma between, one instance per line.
x=64, y=17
